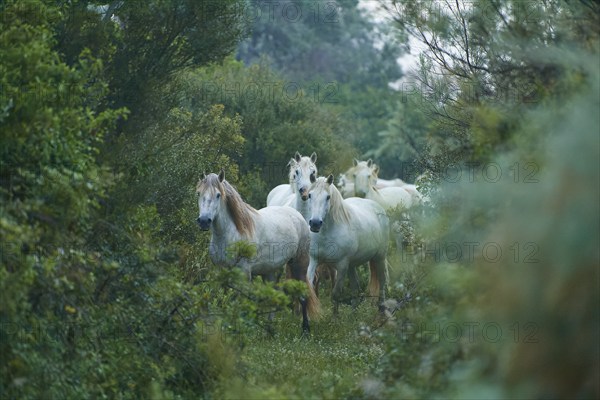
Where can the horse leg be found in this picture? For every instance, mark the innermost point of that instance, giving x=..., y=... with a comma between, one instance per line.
x=342, y=267
x=312, y=271
x=332, y=275
x=271, y=277
x=380, y=267
x=354, y=288
x=298, y=272
x=317, y=279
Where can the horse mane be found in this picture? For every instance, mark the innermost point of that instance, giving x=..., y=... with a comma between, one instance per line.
x=241, y=212
x=338, y=210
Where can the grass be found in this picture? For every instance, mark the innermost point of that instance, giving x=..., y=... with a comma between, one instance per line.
x=330, y=364
x=337, y=360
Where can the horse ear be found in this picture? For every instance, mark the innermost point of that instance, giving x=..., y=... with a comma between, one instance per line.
x=355, y=162
x=221, y=175
x=369, y=163
x=297, y=157
x=313, y=179
x=330, y=179
x=203, y=174
x=313, y=157
x=376, y=169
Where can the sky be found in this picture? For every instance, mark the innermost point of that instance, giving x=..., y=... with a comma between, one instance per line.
x=409, y=60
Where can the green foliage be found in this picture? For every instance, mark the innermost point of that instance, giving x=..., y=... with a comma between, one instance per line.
x=337, y=53
x=401, y=145
x=485, y=65
x=106, y=286
x=145, y=42
x=167, y=159
x=276, y=123
x=331, y=364
x=92, y=304
x=535, y=213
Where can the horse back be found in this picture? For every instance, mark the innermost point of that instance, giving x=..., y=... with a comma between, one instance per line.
x=370, y=225
x=280, y=195
x=284, y=227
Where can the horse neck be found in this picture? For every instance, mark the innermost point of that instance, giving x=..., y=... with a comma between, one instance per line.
x=293, y=187
x=301, y=206
x=342, y=210
x=223, y=226
x=373, y=194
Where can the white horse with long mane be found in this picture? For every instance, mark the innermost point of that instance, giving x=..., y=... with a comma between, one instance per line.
x=365, y=179
x=279, y=234
x=302, y=170
x=295, y=193
x=346, y=181
x=346, y=233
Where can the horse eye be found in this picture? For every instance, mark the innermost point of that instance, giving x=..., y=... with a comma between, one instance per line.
x=218, y=195
x=309, y=195
x=297, y=172
x=328, y=197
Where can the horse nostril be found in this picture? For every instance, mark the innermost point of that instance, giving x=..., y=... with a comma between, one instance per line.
x=204, y=221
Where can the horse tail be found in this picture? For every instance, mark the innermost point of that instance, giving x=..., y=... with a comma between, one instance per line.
x=374, y=280
x=313, y=305
x=297, y=270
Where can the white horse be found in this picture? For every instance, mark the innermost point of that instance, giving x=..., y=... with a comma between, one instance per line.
x=301, y=170
x=346, y=233
x=365, y=178
x=383, y=183
x=345, y=185
x=295, y=193
x=346, y=180
x=279, y=234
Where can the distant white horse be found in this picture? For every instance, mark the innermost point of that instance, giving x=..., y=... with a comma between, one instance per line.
x=346, y=180
x=280, y=236
x=383, y=183
x=399, y=198
x=295, y=193
x=346, y=233
x=345, y=185
x=365, y=178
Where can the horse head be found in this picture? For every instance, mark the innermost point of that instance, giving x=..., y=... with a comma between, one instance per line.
x=301, y=171
x=210, y=198
x=320, y=197
x=365, y=176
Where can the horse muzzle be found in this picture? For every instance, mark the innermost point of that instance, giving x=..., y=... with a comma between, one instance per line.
x=303, y=194
x=315, y=225
x=204, y=223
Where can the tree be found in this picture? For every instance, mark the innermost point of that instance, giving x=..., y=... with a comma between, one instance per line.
x=91, y=301
x=512, y=85
x=276, y=121
x=335, y=52
x=143, y=43
x=487, y=62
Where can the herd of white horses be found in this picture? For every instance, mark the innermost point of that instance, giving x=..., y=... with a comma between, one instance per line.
x=308, y=225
